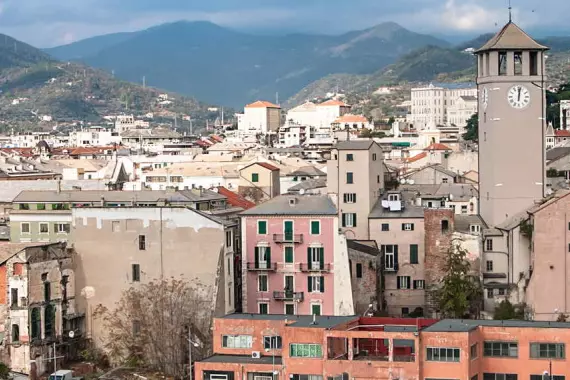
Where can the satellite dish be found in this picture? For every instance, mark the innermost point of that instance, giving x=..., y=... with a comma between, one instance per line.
x=403, y=181
x=302, y=191
x=71, y=334
x=411, y=181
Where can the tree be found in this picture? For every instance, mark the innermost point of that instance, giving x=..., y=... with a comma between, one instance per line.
x=4, y=372
x=149, y=325
x=506, y=310
x=472, y=133
x=460, y=292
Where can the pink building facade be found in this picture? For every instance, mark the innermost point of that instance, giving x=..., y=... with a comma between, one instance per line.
x=289, y=246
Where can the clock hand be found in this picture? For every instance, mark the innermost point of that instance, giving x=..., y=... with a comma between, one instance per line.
x=519, y=92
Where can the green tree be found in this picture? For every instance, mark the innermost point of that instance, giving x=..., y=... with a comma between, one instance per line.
x=472, y=133
x=460, y=292
x=506, y=310
x=4, y=372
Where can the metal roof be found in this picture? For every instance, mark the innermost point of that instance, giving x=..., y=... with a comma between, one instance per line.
x=465, y=325
x=322, y=321
x=354, y=145
x=49, y=196
x=243, y=359
x=295, y=205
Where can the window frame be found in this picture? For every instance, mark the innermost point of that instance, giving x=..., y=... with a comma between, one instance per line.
x=556, y=347
x=349, y=178
x=312, y=350
x=43, y=224
x=503, y=347
x=58, y=229
x=277, y=339
x=311, y=223
x=266, y=226
x=245, y=341
x=385, y=227
x=416, y=250
x=22, y=232
x=439, y=350
x=254, y=177
x=259, y=283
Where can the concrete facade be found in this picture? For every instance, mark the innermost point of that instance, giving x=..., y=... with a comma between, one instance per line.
x=261, y=180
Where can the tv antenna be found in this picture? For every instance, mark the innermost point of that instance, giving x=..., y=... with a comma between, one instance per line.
x=510, y=12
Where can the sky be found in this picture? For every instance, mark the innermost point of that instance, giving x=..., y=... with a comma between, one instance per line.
x=47, y=23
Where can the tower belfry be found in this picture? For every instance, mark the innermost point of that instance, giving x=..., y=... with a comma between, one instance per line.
x=512, y=108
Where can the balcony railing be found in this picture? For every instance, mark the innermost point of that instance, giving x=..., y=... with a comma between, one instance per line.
x=288, y=296
x=288, y=238
x=261, y=266
x=315, y=267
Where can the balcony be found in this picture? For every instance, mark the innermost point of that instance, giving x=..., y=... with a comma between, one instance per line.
x=315, y=267
x=288, y=238
x=262, y=266
x=288, y=296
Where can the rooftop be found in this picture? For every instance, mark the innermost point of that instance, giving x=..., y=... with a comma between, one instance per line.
x=235, y=199
x=511, y=37
x=354, y=145
x=463, y=222
x=243, y=359
x=309, y=171
x=408, y=212
x=262, y=104
x=264, y=165
x=310, y=184
x=295, y=205
x=333, y=102
x=459, y=192
x=437, y=146
x=465, y=325
x=322, y=321
x=350, y=118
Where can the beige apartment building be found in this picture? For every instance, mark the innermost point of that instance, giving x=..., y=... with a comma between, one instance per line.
x=118, y=248
x=355, y=180
x=260, y=117
x=259, y=180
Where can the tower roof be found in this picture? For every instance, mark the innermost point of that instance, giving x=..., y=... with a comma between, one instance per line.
x=511, y=37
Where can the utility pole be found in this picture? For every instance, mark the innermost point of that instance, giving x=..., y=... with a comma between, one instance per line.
x=144, y=81
x=55, y=358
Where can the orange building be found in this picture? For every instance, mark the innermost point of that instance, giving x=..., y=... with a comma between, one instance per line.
x=262, y=347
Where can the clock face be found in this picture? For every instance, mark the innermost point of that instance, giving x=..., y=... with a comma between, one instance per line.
x=518, y=96
x=485, y=97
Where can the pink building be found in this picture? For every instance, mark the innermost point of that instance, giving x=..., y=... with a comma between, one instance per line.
x=294, y=260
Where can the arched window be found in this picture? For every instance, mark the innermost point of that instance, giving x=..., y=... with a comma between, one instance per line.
x=15, y=333
x=36, y=323
x=49, y=321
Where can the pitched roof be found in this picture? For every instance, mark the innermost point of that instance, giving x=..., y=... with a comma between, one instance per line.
x=235, y=199
x=350, y=118
x=262, y=104
x=309, y=171
x=557, y=153
x=333, y=102
x=91, y=150
x=295, y=205
x=511, y=37
x=354, y=145
x=415, y=158
x=469, y=98
x=437, y=146
x=265, y=165
x=562, y=133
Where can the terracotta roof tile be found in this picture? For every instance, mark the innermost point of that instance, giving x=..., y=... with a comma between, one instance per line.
x=417, y=157
x=262, y=104
x=90, y=150
x=235, y=199
x=350, y=118
x=437, y=146
x=562, y=133
x=267, y=166
x=333, y=102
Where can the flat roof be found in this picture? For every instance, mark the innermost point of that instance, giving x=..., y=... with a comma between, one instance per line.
x=243, y=359
x=322, y=321
x=465, y=325
x=42, y=196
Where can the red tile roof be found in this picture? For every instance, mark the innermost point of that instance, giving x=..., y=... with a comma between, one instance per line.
x=262, y=104
x=216, y=138
x=24, y=152
x=90, y=150
x=333, y=102
x=437, y=146
x=562, y=133
x=265, y=165
x=417, y=157
x=235, y=199
x=350, y=118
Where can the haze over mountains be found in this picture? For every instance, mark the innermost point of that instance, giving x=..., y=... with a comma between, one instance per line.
x=220, y=65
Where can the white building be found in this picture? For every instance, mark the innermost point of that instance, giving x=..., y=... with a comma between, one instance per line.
x=259, y=118
x=94, y=136
x=321, y=116
x=293, y=135
x=565, y=114
x=432, y=103
x=461, y=110
x=351, y=122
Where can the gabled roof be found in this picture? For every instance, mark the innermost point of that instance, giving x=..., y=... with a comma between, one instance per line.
x=262, y=104
x=350, y=118
x=415, y=158
x=333, y=102
x=562, y=133
x=437, y=146
x=264, y=165
x=235, y=199
x=354, y=145
x=295, y=205
x=511, y=37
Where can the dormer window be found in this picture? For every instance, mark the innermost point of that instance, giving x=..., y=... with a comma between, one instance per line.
x=393, y=197
x=475, y=229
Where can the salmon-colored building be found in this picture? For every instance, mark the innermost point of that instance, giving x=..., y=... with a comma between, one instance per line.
x=269, y=347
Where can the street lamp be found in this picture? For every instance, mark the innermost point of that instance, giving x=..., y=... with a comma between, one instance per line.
x=191, y=344
x=368, y=313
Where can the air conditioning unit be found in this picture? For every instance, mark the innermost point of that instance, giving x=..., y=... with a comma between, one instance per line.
x=255, y=355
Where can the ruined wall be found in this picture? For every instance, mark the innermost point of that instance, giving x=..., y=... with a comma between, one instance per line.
x=365, y=289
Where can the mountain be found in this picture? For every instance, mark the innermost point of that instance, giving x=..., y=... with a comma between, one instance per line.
x=229, y=67
x=33, y=84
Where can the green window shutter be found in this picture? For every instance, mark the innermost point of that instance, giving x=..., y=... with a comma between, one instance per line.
x=254, y=177
x=309, y=284
x=354, y=224
x=315, y=227
x=396, y=266
x=256, y=259
x=289, y=254
x=403, y=226
x=261, y=227
x=322, y=284
x=412, y=225
x=269, y=256
x=414, y=254
x=322, y=258
x=309, y=258
x=343, y=220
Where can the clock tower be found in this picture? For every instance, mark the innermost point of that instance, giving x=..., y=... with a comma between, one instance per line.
x=512, y=112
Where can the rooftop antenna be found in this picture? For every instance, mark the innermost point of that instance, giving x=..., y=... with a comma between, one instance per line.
x=510, y=12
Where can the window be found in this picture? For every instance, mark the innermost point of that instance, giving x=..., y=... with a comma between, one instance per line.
x=407, y=226
x=272, y=342
x=289, y=309
x=254, y=177
x=373, y=156
x=116, y=226
x=501, y=292
x=349, y=197
x=289, y=256
x=464, y=209
x=490, y=293
x=473, y=351
x=502, y=63
x=136, y=327
x=41, y=206
x=349, y=177
x=23, y=206
x=390, y=256
x=142, y=242
x=385, y=227
x=60, y=206
x=316, y=309
x=228, y=239
x=547, y=351
x=47, y=290
x=36, y=323
x=442, y=354
x=15, y=333
x=236, y=341
x=136, y=272
x=262, y=283
x=551, y=377
x=403, y=282
x=444, y=226
x=315, y=227
x=518, y=62
x=533, y=63
x=377, y=179
x=405, y=311
x=419, y=284
x=14, y=297
x=263, y=308
x=306, y=377
x=315, y=257
x=444, y=180
x=500, y=376
x=302, y=350
x=350, y=157
x=489, y=245
x=475, y=228
x=25, y=228
x=349, y=220
x=501, y=349
x=44, y=228
x=262, y=227
x=358, y=270
x=62, y=228
x=316, y=284
x=414, y=259
x=489, y=265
